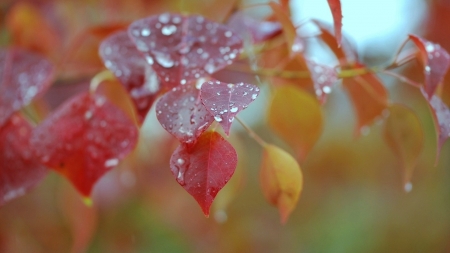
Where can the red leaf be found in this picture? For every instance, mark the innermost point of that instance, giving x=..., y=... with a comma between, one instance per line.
x=19, y=170
x=204, y=169
x=259, y=30
x=184, y=48
x=224, y=100
x=324, y=79
x=120, y=55
x=441, y=117
x=84, y=138
x=182, y=114
x=335, y=7
x=24, y=77
x=436, y=61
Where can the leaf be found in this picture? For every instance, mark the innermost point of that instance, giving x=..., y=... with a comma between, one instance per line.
x=324, y=79
x=335, y=7
x=83, y=139
x=183, y=48
x=24, y=76
x=120, y=55
x=369, y=98
x=182, y=114
x=345, y=51
x=20, y=171
x=294, y=42
x=436, y=61
x=404, y=135
x=281, y=180
x=29, y=29
x=205, y=168
x=441, y=117
x=224, y=100
x=296, y=117
x=258, y=30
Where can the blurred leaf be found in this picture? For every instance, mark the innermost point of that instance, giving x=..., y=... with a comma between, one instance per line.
x=281, y=180
x=204, y=169
x=436, y=61
x=296, y=116
x=324, y=78
x=404, y=135
x=335, y=7
x=369, y=98
x=289, y=29
x=224, y=101
x=258, y=30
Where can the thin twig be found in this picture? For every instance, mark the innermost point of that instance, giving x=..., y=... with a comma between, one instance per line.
x=252, y=134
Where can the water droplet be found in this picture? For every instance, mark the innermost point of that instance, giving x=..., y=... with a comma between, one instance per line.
x=149, y=60
x=254, y=96
x=408, y=187
x=234, y=109
x=111, y=162
x=183, y=81
x=164, y=18
x=88, y=115
x=168, y=30
x=209, y=67
x=326, y=89
x=145, y=32
x=429, y=47
x=164, y=60
x=180, y=161
x=427, y=68
x=228, y=34
x=218, y=118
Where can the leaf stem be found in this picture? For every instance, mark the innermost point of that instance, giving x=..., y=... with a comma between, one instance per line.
x=252, y=134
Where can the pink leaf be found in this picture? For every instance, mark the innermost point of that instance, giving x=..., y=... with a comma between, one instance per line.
x=182, y=114
x=324, y=79
x=204, y=169
x=335, y=7
x=84, y=138
x=436, y=61
x=24, y=76
x=441, y=117
x=184, y=48
x=19, y=169
x=120, y=55
x=224, y=100
x=258, y=30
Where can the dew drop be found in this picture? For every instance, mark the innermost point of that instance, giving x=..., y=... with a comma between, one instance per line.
x=111, y=162
x=427, y=68
x=145, y=32
x=164, y=60
x=408, y=187
x=218, y=118
x=149, y=60
x=164, y=18
x=254, y=96
x=234, y=109
x=168, y=30
x=180, y=161
x=88, y=115
x=326, y=89
x=228, y=34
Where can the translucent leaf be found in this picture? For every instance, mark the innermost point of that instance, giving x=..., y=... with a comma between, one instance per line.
x=205, y=168
x=436, y=61
x=182, y=49
x=19, y=169
x=258, y=30
x=324, y=79
x=24, y=76
x=296, y=116
x=281, y=180
x=182, y=114
x=120, y=55
x=294, y=42
x=369, y=98
x=335, y=7
x=404, y=135
x=225, y=100
x=441, y=117
x=83, y=139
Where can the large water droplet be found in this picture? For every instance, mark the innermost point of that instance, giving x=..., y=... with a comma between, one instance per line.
x=164, y=60
x=234, y=109
x=168, y=30
x=218, y=118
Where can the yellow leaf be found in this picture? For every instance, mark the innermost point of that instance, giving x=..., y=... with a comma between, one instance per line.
x=403, y=133
x=281, y=180
x=296, y=117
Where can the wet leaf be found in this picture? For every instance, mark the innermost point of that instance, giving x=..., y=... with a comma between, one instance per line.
x=258, y=30
x=369, y=98
x=281, y=180
x=436, y=61
x=294, y=42
x=182, y=114
x=83, y=139
x=296, y=117
x=120, y=55
x=225, y=100
x=324, y=79
x=335, y=7
x=181, y=49
x=20, y=171
x=441, y=117
x=29, y=29
x=24, y=76
x=204, y=169
x=404, y=135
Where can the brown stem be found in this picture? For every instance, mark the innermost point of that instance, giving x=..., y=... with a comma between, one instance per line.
x=252, y=134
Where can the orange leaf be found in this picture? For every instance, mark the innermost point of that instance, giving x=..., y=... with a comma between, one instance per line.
x=281, y=180
x=369, y=98
x=404, y=135
x=335, y=7
x=296, y=116
x=289, y=30
x=30, y=29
